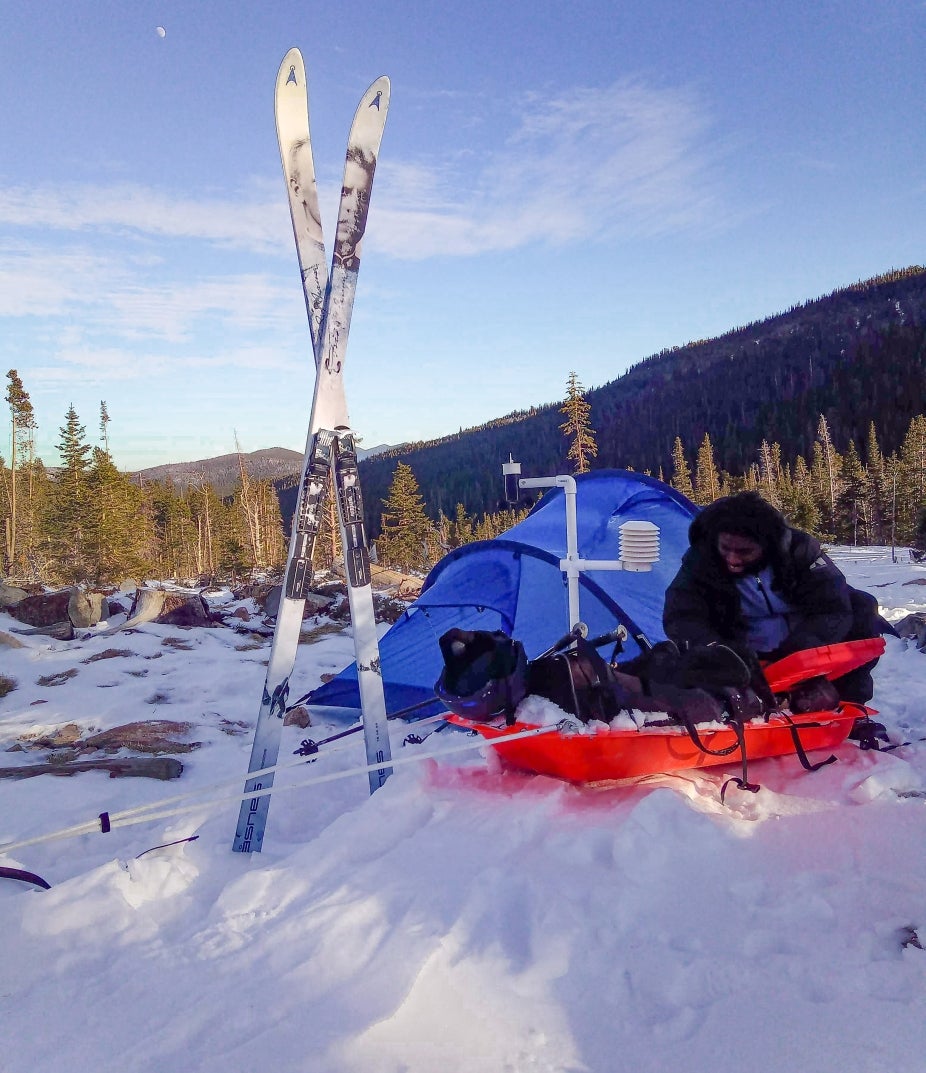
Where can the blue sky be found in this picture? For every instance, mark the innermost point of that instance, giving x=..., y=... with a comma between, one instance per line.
x=562, y=186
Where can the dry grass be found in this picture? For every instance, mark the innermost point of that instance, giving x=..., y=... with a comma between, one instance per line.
x=324, y=629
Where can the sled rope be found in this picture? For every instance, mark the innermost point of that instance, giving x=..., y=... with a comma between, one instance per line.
x=109, y=821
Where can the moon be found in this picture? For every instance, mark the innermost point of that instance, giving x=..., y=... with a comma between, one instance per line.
x=161, y=32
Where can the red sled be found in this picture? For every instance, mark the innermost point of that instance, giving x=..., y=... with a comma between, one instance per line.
x=608, y=755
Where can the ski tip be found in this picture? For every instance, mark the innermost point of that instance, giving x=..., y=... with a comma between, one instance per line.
x=292, y=69
x=376, y=98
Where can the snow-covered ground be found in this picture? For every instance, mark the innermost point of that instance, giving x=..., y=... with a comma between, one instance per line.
x=465, y=918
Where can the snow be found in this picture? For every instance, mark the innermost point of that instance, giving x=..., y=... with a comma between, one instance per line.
x=466, y=917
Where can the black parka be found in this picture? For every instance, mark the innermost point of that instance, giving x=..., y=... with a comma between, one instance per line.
x=703, y=604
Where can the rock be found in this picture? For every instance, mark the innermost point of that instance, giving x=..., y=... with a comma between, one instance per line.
x=186, y=611
x=168, y=608
x=913, y=627
x=61, y=631
x=297, y=717
x=150, y=767
x=9, y=641
x=10, y=595
x=316, y=603
x=86, y=608
x=147, y=736
x=46, y=609
x=269, y=602
x=66, y=734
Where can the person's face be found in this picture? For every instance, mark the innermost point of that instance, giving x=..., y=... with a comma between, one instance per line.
x=739, y=553
x=354, y=200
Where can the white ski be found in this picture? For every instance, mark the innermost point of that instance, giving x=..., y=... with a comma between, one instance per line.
x=330, y=452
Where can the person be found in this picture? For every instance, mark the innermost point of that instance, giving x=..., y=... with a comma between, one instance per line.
x=751, y=581
x=355, y=203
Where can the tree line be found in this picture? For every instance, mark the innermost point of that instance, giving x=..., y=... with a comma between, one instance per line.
x=88, y=522
x=844, y=498
x=856, y=356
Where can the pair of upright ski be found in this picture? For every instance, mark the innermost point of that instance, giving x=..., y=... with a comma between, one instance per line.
x=330, y=455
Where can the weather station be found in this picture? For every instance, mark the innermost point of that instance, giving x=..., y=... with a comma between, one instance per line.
x=638, y=547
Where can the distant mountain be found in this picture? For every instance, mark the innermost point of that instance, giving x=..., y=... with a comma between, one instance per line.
x=857, y=356
x=369, y=452
x=277, y=464
x=223, y=472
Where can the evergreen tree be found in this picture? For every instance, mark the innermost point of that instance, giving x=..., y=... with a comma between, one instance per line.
x=172, y=530
x=681, y=471
x=853, y=518
x=824, y=470
x=802, y=508
x=911, y=478
x=68, y=521
x=879, y=495
x=461, y=528
x=104, y=426
x=408, y=538
x=115, y=543
x=707, y=482
x=769, y=475
x=582, y=446
x=22, y=456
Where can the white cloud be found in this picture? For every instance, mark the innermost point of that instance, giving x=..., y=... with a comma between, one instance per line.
x=585, y=165
x=109, y=290
x=243, y=222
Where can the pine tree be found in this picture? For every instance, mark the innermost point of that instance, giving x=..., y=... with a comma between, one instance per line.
x=22, y=455
x=769, y=475
x=825, y=469
x=408, y=539
x=461, y=528
x=69, y=515
x=879, y=496
x=706, y=483
x=115, y=542
x=582, y=446
x=802, y=509
x=104, y=426
x=853, y=517
x=911, y=478
x=681, y=472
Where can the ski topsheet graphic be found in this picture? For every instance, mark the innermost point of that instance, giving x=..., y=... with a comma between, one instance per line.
x=330, y=455
x=292, y=118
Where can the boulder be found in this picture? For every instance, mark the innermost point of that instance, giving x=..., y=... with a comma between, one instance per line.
x=913, y=628
x=180, y=610
x=87, y=608
x=10, y=595
x=169, y=608
x=45, y=609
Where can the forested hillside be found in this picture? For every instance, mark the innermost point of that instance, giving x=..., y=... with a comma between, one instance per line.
x=856, y=356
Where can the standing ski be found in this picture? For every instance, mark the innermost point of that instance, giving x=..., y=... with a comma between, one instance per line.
x=330, y=449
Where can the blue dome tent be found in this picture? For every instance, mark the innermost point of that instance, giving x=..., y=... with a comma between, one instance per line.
x=514, y=583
